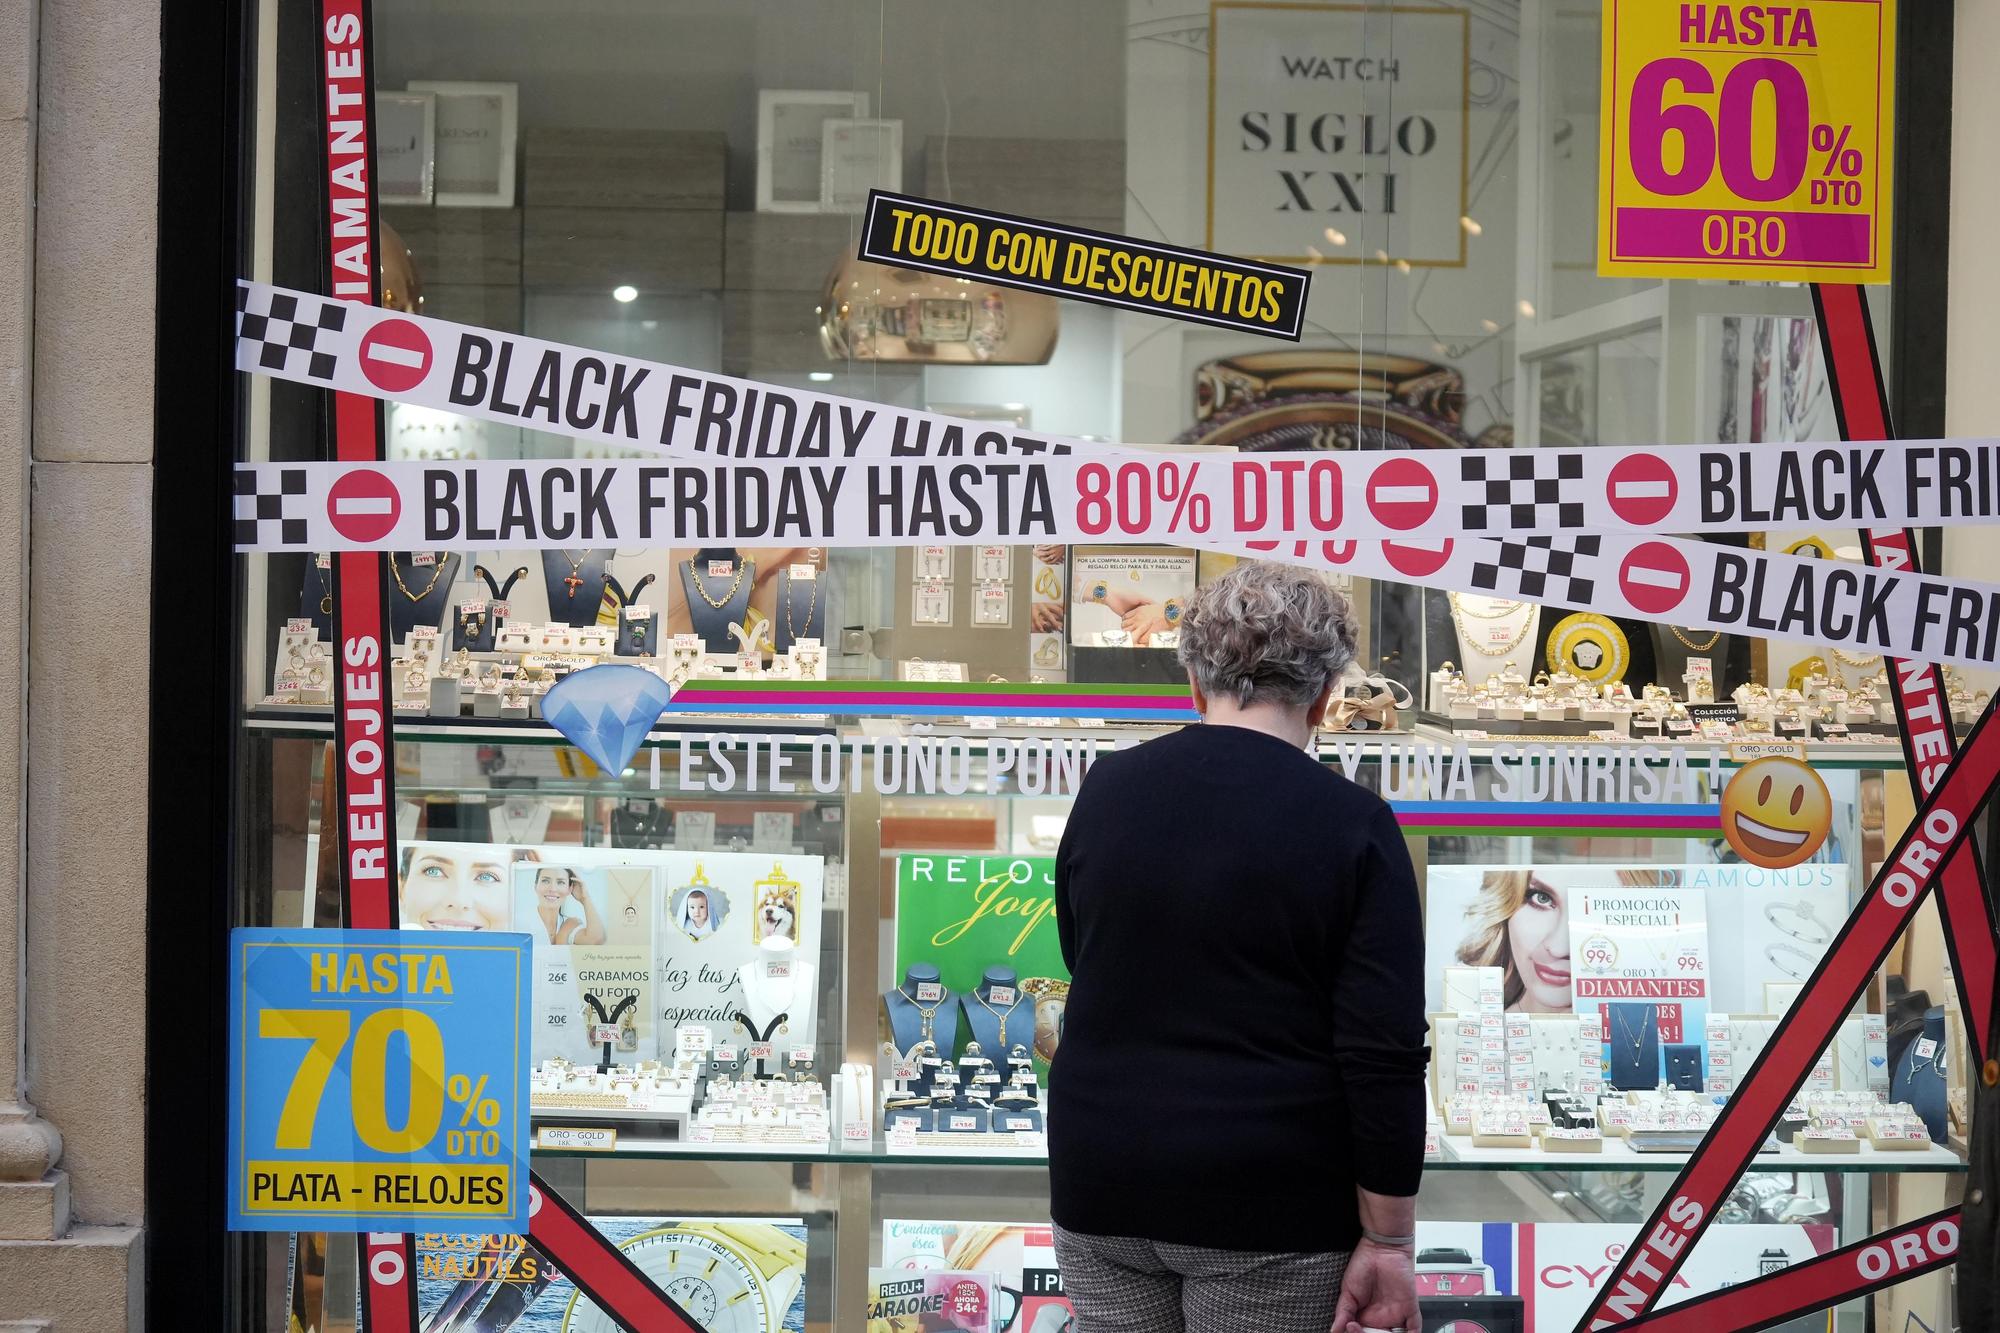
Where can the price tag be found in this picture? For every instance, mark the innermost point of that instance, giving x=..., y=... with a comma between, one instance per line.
x=323, y=561
x=962, y=1124
x=640, y=612
x=801, y=573
x=503, y=609
x=929, y=992
x=1000, y=997
x=727, y=1054
x=1926, y=1048
x=994, y=563
x=759, y=1051
x=603, y=1034
x=472, y=608
x=299, y=625
x=722, y=569
x=1753, y=150
x=423, y=558
x=854, y=1131
x=577, y=1138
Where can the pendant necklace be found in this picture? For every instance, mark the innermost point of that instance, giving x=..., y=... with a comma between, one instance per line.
x=812, y=602
x=1688, y=643
x=437, y=572
x=713, y=603
x=325, y=589
x=925, y=1015
x=575, y=580
x=1002, y=1014
x=1638, y=1042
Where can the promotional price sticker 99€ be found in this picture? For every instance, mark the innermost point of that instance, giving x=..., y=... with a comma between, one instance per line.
x=378, y=1081
x=1747, y=140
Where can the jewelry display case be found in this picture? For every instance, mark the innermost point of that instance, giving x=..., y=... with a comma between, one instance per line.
x=782, y=1100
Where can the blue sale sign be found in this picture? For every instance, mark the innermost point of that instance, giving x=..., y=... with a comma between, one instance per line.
x=378, y=1081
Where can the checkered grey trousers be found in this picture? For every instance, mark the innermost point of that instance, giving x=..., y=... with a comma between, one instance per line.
x=1120, y=1285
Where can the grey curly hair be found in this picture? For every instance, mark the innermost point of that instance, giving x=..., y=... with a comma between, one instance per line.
x=1265, y=632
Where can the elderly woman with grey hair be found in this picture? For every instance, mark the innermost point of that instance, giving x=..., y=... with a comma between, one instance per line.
x=1236, y=1111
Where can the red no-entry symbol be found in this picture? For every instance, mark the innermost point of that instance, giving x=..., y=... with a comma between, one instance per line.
x=363, y=506
x=395, y=356
x=1654, y=578
x=1402, y=494
x=1641, y=489
x=1417, y=559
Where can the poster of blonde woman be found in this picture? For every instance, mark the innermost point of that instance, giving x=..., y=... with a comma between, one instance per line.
x=1518, y=919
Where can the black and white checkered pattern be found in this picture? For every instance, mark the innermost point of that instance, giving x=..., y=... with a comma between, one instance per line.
x=1538, y=570
x=1535, y=492
x=264, y=515
x=287, y=332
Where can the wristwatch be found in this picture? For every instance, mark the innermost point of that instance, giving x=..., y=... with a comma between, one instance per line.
x=732, y=1278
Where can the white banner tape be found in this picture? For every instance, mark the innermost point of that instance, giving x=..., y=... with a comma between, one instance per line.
x=660, y=408
x=525, y=505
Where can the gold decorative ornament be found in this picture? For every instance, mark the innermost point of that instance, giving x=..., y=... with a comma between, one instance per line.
x=1589, y=646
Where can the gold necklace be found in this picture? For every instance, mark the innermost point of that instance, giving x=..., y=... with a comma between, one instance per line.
x=812, y=602
x=1686, y=642
x=1859, y=663
x=1506, y=649
x=1002, y=1015
x=1508, y=608
x=436, y=573
x=734, y=584
x=923, y=1014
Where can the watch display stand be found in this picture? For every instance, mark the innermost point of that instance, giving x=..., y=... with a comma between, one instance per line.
x=716, y=602
x=418, y=594
x=575, y=584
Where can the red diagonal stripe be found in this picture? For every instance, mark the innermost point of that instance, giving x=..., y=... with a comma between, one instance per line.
x=1840, y=1275
x=1943, y=821
x=1860, y=403
x=601, y=1271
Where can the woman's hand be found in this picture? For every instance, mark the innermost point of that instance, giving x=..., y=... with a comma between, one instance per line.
x=1050, y=555
x=1142, y=622
x=1045, y=617
x=1379, y=1290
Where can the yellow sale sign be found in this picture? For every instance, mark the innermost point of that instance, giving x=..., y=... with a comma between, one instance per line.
x=1747, y=140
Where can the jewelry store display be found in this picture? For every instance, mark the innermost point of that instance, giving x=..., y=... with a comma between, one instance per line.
x=396, y=572
x=1804, y=925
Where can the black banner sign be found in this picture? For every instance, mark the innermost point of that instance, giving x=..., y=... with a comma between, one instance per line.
x=1084, y=265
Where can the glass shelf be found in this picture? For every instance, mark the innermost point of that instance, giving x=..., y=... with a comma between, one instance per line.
x=1887, y=754
x=1932, y=1161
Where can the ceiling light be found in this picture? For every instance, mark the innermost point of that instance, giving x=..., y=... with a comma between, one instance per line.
x=820, y=376
x=1336, y=237
x=624, y=292
x=1471, y=224
x=1489, y=326
x=1526, y=307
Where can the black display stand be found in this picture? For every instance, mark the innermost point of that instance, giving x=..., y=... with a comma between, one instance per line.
x=415, y=596
x=575, y=584
x=703, y=591
x=478, y=631
x=636, y=638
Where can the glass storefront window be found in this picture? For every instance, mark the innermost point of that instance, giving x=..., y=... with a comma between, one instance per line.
x=677, y=183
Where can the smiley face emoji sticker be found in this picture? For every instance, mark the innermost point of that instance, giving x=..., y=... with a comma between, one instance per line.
x=1776, y=812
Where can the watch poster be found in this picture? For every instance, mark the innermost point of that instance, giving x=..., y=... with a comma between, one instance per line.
x=733, y=1275
x=900, y=1301
x=1128, y=596
x=966, y=914
x=1020, y=1256
x=1538, y=1277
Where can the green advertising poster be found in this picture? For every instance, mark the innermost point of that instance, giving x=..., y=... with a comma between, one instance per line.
x=968, y=913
